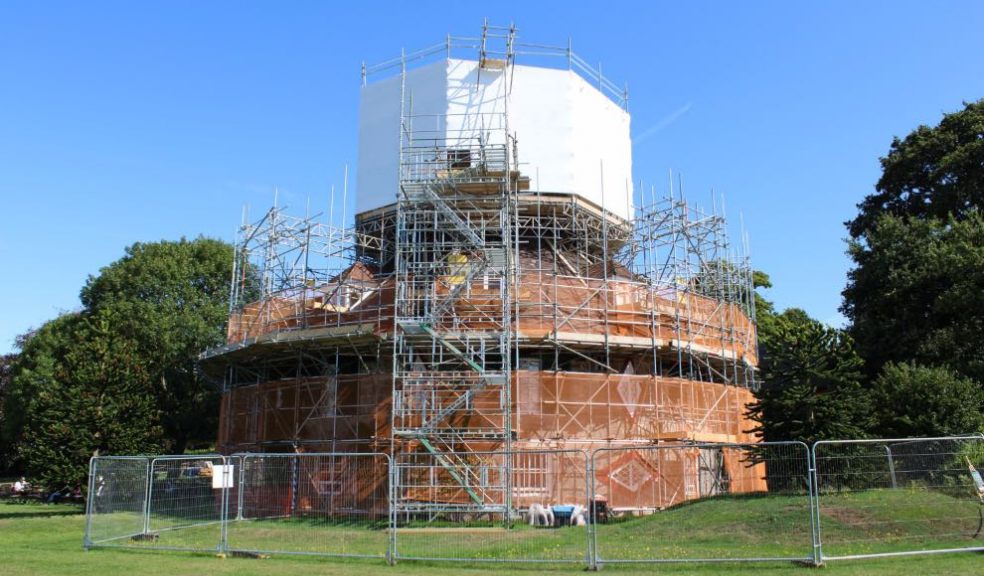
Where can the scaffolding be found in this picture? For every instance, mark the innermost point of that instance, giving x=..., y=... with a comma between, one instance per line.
x=476, y=316
x=454, y=225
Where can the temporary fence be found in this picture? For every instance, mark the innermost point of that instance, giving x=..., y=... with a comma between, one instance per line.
x=166, y=502
x=324, y=504
x=670, y=502
x=735, y=502
x=891, y=497
x=492, y=506
x=117, y=500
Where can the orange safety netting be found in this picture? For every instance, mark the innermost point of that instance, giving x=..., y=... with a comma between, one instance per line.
x=548, y=407
x=354, y=410
x=617, y=312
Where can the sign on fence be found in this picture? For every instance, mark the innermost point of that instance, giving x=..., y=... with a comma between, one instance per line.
x=223, y=476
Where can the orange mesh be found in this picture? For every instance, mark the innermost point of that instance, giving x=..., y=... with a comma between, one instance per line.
x=620, y=312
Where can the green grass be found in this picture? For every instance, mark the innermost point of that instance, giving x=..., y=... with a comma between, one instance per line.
x=39, y=539
x=892, y=520
x=732, y=527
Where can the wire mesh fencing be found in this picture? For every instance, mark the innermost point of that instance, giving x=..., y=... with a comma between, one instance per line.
x=888, y=497
x=187, y=502
x=166, y=502
x=523, y=506
x=117, y=502
x=674, y=502
x=320, y=504
x=702, y=502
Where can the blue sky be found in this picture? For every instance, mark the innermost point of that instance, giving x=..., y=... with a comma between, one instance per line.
x=124, y=122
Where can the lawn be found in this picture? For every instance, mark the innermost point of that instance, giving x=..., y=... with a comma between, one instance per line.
x=38, y=539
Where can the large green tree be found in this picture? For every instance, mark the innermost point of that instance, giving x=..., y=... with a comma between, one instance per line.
x=119, y=375
x=171, y=300
x=8, y=461
x=80, y=389
x=916, y=291
x=34, y=369
x=934, y=172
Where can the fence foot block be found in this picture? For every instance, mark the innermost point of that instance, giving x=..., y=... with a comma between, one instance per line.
x=146, y=536
x=244, y=554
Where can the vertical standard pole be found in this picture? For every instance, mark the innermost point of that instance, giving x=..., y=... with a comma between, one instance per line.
x=604, y=264
x=295, y=483
x=242, y=484
x=398, y=287
x=148, y=493
x=391, y=476
x=813, y=503
x=592, y=511
x=344, y=198
x=891, y=465
x=509, y=288
x=815, y=483
x=225, y=481
x=306, y=248
x=89, y=505
x=235, y=274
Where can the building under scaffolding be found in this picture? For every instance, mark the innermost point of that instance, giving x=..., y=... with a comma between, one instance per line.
x=504, y=288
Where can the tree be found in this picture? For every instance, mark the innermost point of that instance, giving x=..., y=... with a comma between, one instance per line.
x=119, y=375
x=933, y=173
x=81, y=390
x=916, y=401
x=171, y=300
x=35, y=367
x=764, y=309
x=6, y=373
x=767, y=320
x=811, y=383
x=916, y=291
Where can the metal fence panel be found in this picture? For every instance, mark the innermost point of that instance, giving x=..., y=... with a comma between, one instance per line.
x=889, y=497
x=703, y=502
x=186, y=502
x=116, y=506
x=325, y=504
x=164, y=502
x=491, y=506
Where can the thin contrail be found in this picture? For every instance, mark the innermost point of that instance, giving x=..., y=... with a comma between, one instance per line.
x=663, y=123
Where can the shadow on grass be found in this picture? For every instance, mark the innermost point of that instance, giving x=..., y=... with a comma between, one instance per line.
x=322, y=522
x=793, y=497
x=9, y=511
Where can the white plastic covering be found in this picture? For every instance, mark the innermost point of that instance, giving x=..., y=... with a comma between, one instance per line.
x=568, y=132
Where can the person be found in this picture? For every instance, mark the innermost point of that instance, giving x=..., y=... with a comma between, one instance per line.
x=976, y=477
x=101, y=496
x=57, y=496
x=20, y=486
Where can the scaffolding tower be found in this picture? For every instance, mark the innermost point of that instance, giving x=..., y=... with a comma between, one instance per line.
x=452, y=367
